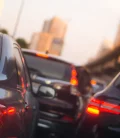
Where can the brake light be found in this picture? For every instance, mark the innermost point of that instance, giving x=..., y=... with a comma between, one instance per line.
x=74, y=80
x=11, y=111
x=93, y=110
x=41, y=55
x=8, y=111
x=68, y=119
x=95, y=107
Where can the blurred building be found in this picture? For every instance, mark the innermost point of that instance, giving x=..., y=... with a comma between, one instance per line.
x=34, y=41
x=117, y=38
x=105, y=47
x=46, y=26
x=51, y=38
x=57, y=28
x=44, y=42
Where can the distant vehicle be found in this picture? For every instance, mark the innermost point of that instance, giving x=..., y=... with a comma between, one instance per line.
x=97, y=85
x=102, y=116
x=17, y=103
x=84, y=80
x=84, y=85
x=55, y=84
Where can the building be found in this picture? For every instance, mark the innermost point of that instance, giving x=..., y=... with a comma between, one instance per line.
x=117, y=38
x=34, y=41
x=51, y=38
x=105, y=47
x=46, y=26
x=57, y=28
x=44, y=42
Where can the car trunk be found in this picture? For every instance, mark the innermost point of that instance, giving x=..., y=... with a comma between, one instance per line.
x=63, y=104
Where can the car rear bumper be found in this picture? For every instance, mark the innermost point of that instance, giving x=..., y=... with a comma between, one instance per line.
x=56, y=127
x=109, y=132
x=90, y=128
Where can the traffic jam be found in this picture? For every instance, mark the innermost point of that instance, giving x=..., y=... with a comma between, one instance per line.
x=42, y=95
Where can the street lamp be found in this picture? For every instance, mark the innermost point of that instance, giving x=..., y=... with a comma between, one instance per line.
x=18, y=18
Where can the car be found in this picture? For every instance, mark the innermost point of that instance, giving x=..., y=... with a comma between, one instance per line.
x=98, y=85
x=84, y=82
x=18, y=107
x=55, y=84
x=101, y=118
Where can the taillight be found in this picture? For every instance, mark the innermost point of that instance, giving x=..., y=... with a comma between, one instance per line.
x=93, y=110
x=68, y=119
x=7, y=111
x=74, y=80
x=11, y=111
x=95, y=107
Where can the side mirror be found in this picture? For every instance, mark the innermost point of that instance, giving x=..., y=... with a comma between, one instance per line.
x=35, y=87
x=46, y=92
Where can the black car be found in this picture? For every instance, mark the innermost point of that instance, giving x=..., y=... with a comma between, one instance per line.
x=84, y=81
x=102, y=116
x=17, y=104
x=58, y=98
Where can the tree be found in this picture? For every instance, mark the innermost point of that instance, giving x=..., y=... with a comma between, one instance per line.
x=22, y=42
x=4, y=31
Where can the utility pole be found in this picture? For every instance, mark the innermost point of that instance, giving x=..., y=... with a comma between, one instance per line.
x=18, y=18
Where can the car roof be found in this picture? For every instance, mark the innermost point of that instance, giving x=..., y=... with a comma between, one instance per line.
x=7, y=59
x=58, y=58
x=4, y=38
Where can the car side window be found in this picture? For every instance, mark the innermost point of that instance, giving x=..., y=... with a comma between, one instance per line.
x=20, y=67
x=26, y=70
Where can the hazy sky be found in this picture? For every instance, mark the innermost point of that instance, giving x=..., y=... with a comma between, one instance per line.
x=89, y=22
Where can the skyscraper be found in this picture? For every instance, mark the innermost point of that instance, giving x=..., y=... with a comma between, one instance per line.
x=34, y=41
x=117, y=38
x=51, y=38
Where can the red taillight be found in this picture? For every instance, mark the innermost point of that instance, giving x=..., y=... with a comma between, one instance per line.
x=7, y=111
x=11, y=111
x=68, y=119
x=95, y=107
x=74, y=80
x=93, y=110
x=74, y=73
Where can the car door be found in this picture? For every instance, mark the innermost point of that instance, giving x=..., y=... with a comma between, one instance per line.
x=21, y=82
x=30, y=117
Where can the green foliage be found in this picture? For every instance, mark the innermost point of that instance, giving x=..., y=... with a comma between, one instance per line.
x=4, y=31
x=22, y=42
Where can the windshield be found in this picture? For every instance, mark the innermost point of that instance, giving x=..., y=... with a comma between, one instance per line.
x=47, y=68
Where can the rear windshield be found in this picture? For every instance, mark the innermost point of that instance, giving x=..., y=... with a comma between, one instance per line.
x=117, y=81
x=48, y=68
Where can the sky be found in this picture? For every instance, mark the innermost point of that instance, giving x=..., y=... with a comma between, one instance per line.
x=89, y=22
